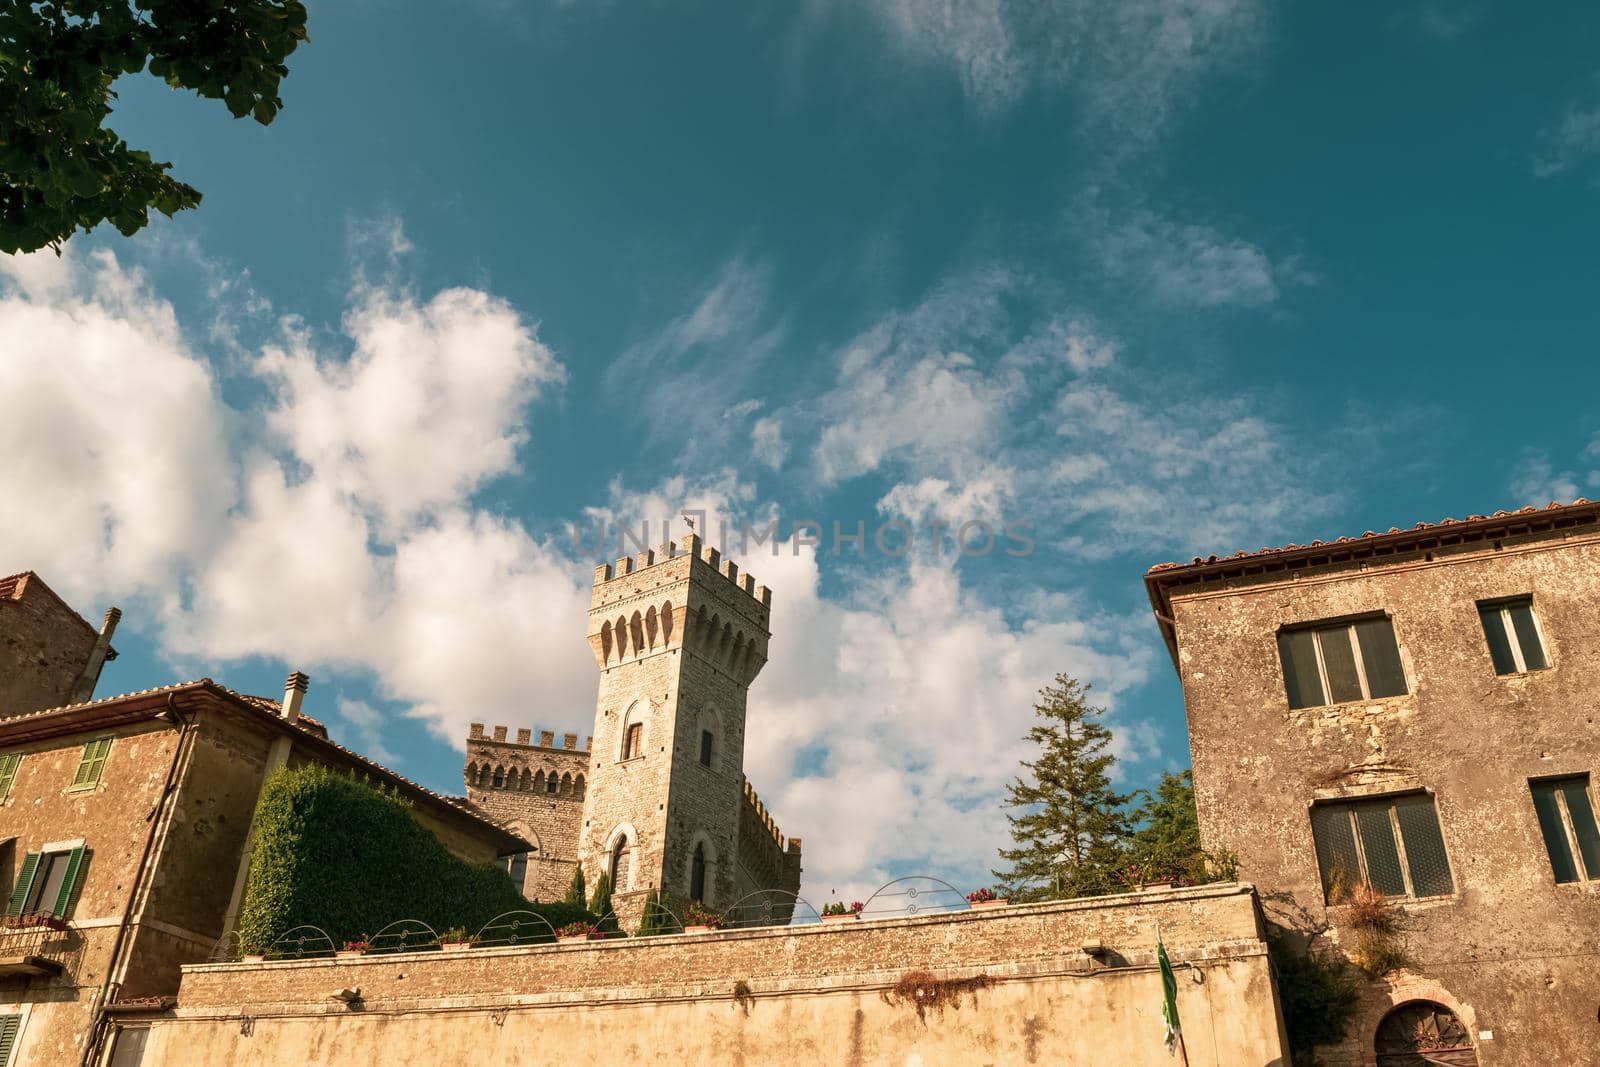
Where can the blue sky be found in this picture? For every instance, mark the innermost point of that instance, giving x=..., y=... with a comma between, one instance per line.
x=1156, y=279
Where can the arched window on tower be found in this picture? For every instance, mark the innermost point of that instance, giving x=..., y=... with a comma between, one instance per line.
x=707, y=742
x=517, y=868
x=633, y=741
x=552, y=784
x=499, y=777
x=621, y=863
x=697, y=875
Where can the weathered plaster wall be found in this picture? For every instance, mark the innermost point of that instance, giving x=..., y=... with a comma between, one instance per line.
x=820, y=994
x=44, y=646
x=1515, y=951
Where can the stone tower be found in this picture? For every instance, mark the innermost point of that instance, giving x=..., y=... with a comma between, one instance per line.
x=678, y=635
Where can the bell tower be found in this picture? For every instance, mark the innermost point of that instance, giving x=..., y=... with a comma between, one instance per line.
x=678, y=635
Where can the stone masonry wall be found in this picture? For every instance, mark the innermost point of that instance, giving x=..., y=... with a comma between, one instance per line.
x=44, y=646
x=1014, y=986
x=524, y=803
x=1513, y=953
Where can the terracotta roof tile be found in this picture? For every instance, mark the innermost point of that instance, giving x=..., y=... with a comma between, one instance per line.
x=1470, y=520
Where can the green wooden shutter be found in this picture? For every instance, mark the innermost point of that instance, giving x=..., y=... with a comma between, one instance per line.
x=8, y=1036
x=69, y=884
x=8, y=774
x=19, y=892
x=92, y=763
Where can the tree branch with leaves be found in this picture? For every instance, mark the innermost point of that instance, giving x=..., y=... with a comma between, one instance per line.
x=61, y=168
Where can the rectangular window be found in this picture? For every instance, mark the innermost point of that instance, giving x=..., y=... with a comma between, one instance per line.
x=47, y=883
x=1513, y=635
x=127, y=1049
x=9, y=762
x=1566, y=820
x=1392, y=844
x=9, y=1025
x=92, y=763
x=1330, y=663
x=633, y=741
x=705, y=748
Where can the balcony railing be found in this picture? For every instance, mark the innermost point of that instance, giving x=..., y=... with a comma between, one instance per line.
x=35, y=950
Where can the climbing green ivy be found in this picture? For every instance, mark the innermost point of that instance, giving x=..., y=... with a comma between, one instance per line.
x=338, y=853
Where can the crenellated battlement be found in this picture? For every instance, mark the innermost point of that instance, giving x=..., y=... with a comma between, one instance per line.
x=765, y=820
x=546, y=742
x=692, y=546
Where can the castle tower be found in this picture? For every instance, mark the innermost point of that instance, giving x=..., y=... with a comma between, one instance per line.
x=678, y=635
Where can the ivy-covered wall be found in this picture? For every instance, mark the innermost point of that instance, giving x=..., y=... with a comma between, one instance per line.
x=336, y=852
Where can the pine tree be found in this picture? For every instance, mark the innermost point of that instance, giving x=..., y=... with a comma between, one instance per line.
x=600, y=903
x=575, y=892
x=1071, y=825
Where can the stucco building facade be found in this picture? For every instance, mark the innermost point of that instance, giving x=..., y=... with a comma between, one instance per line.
x=656, y=799
x=1415, y=711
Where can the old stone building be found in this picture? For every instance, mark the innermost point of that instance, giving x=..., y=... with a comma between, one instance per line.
x=125, y=836
x=1414, y=712
x=656, y=798
x=49, y=654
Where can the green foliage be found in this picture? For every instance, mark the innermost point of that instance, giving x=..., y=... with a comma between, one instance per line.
x=1167, y=842
x=337, y=853
x=600, y=902
x=1071, y=824
x=1317, y=993
x=61, y=169
x=656, y=920
x=575, y=891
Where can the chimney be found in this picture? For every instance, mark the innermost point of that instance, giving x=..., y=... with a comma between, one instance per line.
x=294, y=693
x=83, y=688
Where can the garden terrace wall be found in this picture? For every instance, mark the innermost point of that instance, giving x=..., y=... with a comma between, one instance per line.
x=1029, y=993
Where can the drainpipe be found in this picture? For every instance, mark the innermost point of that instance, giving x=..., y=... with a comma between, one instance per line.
x=159, y=819
x=83, y=688
x=294, y=694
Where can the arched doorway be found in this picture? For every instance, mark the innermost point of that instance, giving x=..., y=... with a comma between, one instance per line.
x=1423, y=1034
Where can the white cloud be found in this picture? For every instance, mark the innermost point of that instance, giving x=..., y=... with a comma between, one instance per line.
x=114, y=437
x=1535, y=479
x=766, y=442
x=459, y=369
x=368, y=723
x=1186, y=264
x=338, y=533
x=1132, y=63
x=1569, y=142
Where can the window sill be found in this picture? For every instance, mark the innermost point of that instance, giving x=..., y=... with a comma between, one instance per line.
x=631, y=759
x=1524, y=674
x=82, y=788
x=1348, y=705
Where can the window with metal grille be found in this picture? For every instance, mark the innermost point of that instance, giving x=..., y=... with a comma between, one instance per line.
x=92, y=763
x=1566, y=819
x=9, y=1025
x=1329, y=663
x=1391, y=843
x=9, y=762
x=1423, y=1034
x=1513, y=634
x=633, y=741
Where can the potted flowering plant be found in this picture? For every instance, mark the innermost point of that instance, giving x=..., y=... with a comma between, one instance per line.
x=456, y=939
x=576, y=931
x=253, y=954
x=35, y=920
x=357, y=947
x=837, y=912
x=699, y=919
x=986, y=898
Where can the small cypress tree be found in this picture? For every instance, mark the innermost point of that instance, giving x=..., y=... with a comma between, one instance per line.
x=654, y=921
x=600, y=903
x=575, y=892
x=1071, y=825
